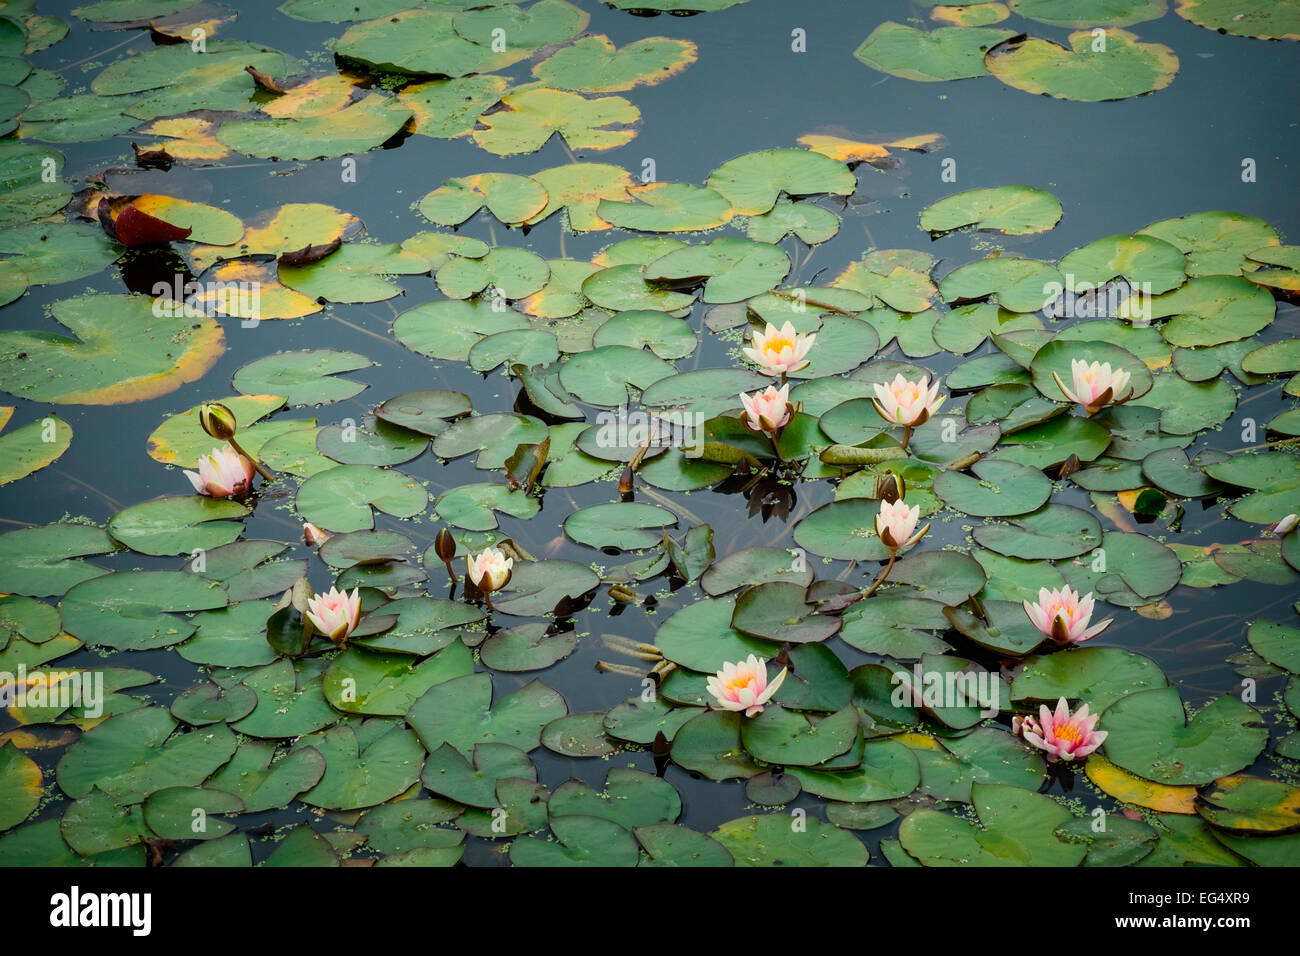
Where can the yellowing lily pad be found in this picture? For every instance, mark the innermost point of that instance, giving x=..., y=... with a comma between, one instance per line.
x=593, y=65
x=530, y=118
x=121, y=353
x=1112, y=67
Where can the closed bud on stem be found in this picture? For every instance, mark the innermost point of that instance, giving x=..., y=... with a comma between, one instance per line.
x=444, y=545
x=890, y=486
x=217, y=420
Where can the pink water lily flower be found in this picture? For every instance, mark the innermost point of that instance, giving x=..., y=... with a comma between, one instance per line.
x=768, y=410
x=1095, y=385
x=335, y=613
x=1063, y=616
x=895, y=524
x=744, y=686
x=490, y=569
x=908, y=403
x=780, y=351
x=223, y=473
x=1064, y=736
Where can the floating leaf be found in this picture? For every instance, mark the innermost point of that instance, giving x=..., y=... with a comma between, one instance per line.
x=948, y=53
x=1150, y=735
x=1014, y=210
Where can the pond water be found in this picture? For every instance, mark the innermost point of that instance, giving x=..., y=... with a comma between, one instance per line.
x=1115, y=167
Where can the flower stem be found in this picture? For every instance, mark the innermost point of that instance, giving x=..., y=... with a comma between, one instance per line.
x=907, y=436
x=893, y=556
x=257, y=464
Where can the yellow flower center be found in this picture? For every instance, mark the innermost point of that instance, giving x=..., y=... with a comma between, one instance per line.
x=738, y=683
x=1070, y=733
x=777, y=343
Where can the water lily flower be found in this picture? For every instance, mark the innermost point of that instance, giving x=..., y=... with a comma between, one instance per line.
x=895, y=523
x=313, y=535
x=907, y=403
x=490, y=570
x=1064, y=736
x=1285, y=526
x=744, y=686
x=780, y=351
x=1063, y=616
x=768, y=410
x=1095, y=385
x=335, y=613
x=223, y=473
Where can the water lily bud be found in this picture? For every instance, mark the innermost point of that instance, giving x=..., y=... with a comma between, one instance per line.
x=890, y=487
x=1285, y=526
x=313, y=535
x=444, y=545
x=217, y=420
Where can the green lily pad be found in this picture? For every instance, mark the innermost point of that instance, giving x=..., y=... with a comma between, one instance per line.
x=771, y=840
x=363, y=682
x=134, y=754
x=752, y=183
x=461, y=712
x=1014, y=210
x=1001, y=489
x=120, y=353
x=1151, y=736
x=342, y=498
x=947, y=53
x=133, y=610
x=365, y=766
x=1122, y=67
x=1097, y=676
x=1018, y=829
x=1130, y=570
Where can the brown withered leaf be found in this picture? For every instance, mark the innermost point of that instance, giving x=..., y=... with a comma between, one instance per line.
x=264, y=81
x=309, y=253
x=146, y=158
